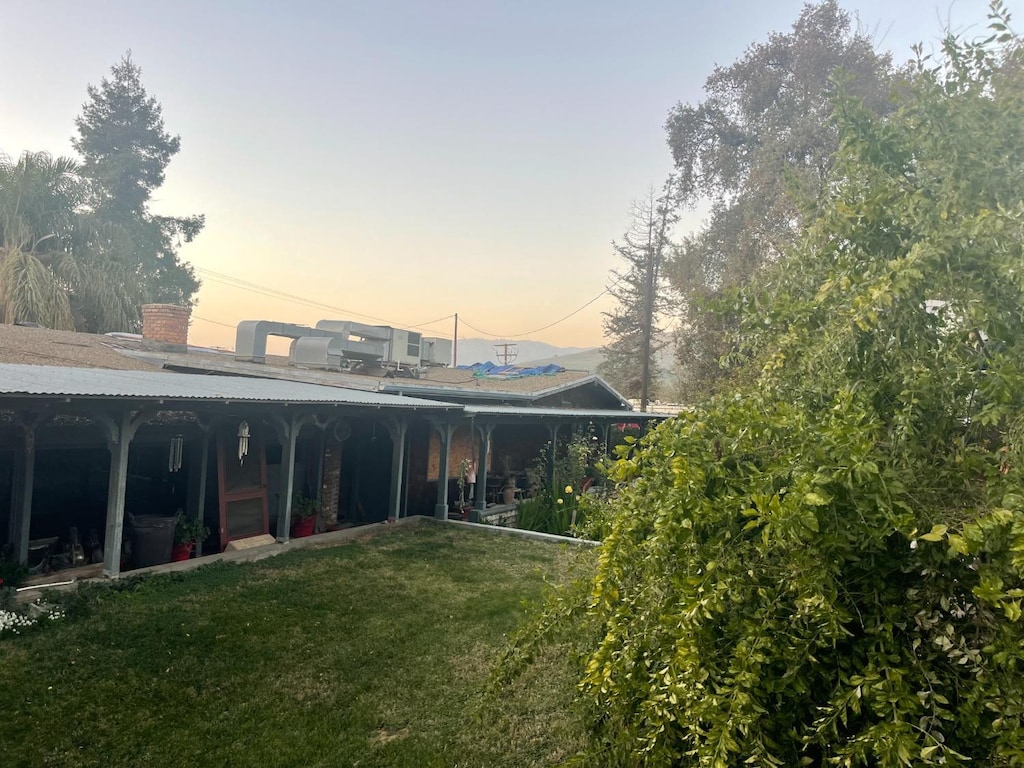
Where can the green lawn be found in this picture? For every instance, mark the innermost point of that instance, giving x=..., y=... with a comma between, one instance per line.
x=372, y=653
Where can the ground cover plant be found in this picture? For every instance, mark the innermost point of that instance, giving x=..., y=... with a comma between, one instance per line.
x=373, y=653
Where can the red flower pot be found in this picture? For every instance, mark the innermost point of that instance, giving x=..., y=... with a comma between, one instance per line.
x=181, y=552
x=304, y=527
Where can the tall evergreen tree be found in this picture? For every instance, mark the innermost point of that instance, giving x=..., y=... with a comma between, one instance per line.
x=125, y=151
x=633, y=327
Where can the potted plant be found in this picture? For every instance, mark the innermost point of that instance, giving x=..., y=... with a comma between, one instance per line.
x=304, y=514
x=187, y=531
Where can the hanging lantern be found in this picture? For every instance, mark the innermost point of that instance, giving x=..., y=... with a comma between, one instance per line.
x=243, y=440
x=174, y=453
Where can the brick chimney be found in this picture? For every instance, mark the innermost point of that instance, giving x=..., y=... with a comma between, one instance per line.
x=165, y=325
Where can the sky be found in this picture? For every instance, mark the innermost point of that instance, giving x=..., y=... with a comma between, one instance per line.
x=402, y=162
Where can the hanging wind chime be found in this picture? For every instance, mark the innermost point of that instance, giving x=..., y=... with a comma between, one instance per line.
x=243, y=441
x=174, y=453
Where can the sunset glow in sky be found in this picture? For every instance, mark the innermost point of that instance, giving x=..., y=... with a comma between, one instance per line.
x=405, y=161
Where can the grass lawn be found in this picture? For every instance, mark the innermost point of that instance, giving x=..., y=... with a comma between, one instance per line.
x=373, y=653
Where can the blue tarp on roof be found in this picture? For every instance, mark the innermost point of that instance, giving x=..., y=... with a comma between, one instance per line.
x=490, y=369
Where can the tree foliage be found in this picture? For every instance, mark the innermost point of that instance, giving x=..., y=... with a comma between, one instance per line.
x=58, y=266
x=828, y=568
x=126, y=149
x=757, y=149
x=633, y=327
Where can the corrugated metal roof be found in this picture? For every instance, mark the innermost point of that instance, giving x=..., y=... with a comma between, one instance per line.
x=559, y=413
x=55, y=381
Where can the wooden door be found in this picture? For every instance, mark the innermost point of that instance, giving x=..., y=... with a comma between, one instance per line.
x=242, y=488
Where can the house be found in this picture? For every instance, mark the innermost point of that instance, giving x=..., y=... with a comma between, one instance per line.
x=94, y=429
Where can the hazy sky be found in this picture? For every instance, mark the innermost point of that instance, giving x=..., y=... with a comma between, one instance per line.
x=406, y=160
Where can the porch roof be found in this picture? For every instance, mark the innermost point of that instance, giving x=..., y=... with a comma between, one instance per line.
x=40, y=381
x=534, y=412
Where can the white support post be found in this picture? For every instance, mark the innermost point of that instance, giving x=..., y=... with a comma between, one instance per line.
x=480, y=503
x=397, y=429
x=21, y=498
x=552, y=455
x=120, y=434
x=445, y=430
x=289, y=432
x=197, y=483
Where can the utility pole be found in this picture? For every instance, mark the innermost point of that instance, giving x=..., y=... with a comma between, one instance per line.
x=508, y=353
x=455, y=344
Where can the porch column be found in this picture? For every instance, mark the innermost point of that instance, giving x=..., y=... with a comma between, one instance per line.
x=480, y=503
x=287, y=433
x=445, y=430
x=406, y=468
x=119, y=439
x=197, y=483
x=397, y=429
x=21, y=493
x=608, y=439
x=552, y=455
x=329, y=474
x=321, y=448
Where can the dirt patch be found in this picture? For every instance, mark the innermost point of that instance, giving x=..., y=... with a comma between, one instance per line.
x=384, y=736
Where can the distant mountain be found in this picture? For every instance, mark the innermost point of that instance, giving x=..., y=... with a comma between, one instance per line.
x=483, y=350
x=585, y=360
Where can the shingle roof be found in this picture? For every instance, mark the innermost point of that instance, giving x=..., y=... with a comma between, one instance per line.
x=58, y=381
x=42, y=346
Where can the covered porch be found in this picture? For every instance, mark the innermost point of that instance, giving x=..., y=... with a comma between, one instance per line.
x=83, y=452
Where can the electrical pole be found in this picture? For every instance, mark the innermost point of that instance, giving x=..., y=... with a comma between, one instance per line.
x=508, y=354
x=455, y=344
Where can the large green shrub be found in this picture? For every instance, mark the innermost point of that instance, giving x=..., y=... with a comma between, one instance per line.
x=826, y=569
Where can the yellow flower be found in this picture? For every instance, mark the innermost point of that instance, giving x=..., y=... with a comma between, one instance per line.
x=560, y=501
x=579, y=498
x=568, y=489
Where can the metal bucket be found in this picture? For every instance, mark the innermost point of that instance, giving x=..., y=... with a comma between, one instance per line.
x=152, y=539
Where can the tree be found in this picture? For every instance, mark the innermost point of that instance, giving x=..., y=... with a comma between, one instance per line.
x=53, y=270
x=827, y=568
x=125, y=151
x=629, y=358
x=757, y=149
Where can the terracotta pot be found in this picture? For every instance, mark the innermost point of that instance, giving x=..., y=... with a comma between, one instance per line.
x=304, y=527
x=181, y=552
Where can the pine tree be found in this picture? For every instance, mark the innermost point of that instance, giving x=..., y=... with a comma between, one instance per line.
x=632, y=328
x=125, y=151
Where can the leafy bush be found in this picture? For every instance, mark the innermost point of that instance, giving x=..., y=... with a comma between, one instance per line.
x=828, y=568
x=189, y=530
x=557, y=505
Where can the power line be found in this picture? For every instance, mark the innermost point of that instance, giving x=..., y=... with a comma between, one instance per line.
x=215, y=322
x=245, y=285
x=543, y=327
x=264, y=290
